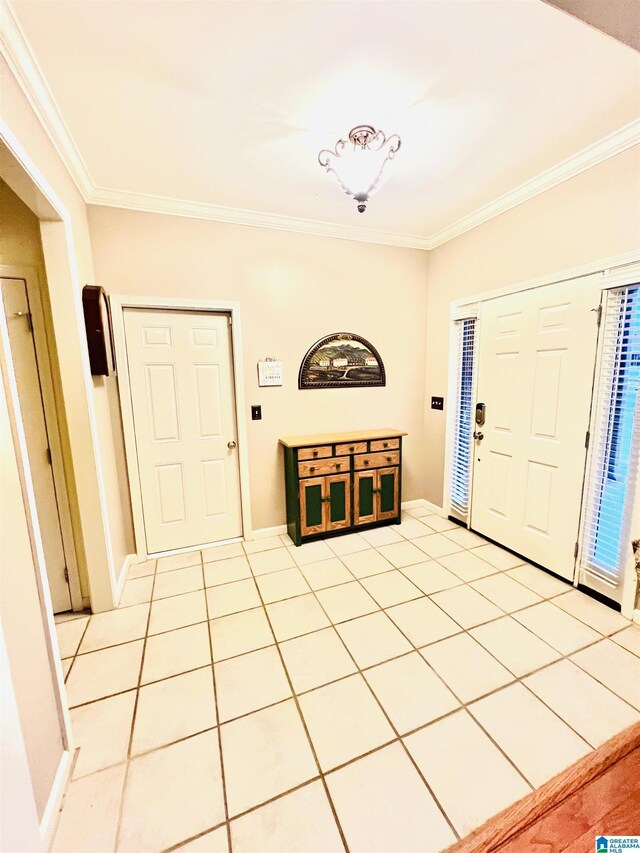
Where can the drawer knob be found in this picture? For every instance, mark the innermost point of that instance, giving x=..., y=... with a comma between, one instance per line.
x=389, y=458
x=338, y=464
x=312, y=469
x=366, y=461
x=386, y=444
x=315, y=452
x=351, y=449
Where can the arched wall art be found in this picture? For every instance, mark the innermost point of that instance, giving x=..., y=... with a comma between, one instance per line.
x=342, y=360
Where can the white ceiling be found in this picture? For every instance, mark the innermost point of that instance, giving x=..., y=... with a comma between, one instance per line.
x=228, y=103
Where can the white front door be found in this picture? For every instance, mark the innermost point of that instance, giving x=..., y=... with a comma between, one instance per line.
x=535, y=374
x=23, y=357
x=181, y=379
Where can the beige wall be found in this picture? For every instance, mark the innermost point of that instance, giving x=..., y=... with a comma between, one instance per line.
x=293, y=289
x=590, y=217
x=23, y=627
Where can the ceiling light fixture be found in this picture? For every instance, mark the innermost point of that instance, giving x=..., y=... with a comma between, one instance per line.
x=358, y=167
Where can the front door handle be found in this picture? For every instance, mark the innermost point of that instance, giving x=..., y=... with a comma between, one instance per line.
x=478, y=436
x=231, y=445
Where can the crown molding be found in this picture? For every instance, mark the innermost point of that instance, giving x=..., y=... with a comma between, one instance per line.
x=254, y=218
x=23, y=64
x=609, y=146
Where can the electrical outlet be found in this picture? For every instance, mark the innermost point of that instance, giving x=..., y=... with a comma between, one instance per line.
x=256, y=413
x=437, y=403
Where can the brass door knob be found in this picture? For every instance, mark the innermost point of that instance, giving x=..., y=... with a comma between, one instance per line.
x=231, y=445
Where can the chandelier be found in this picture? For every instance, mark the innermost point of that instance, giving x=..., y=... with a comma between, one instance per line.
x=359, y=161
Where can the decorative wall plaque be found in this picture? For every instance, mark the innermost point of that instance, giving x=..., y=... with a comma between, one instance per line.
x=342, y=360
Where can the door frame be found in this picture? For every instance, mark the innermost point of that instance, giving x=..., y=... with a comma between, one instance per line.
x=614, y=271
x=43, y=363
x=119, y=304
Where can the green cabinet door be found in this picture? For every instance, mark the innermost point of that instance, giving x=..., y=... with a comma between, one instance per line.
x=387, y=493
x=364, y=497
x=312, y=506
x=338, y=492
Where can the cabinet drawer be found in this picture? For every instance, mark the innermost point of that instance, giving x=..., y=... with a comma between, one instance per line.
x=323, y=466
x=376, y=460
x=346, y=449
x=386, y=444
x=314, y=452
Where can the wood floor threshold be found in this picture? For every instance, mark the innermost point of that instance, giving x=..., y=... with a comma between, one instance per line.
x=506, y=830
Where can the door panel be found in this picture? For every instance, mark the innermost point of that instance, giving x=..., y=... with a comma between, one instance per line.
x=181, y=378
x=312, y=506
x=364, y=483
x=339, y=501
x=23, y=356
x=387, y=493
x=535, y=372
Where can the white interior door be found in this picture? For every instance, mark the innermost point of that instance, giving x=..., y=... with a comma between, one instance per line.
x=181, y=379
x=535, y=374
x=23, y=357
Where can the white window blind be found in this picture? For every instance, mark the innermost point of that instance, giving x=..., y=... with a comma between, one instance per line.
x=615, y=442
x=460, y=468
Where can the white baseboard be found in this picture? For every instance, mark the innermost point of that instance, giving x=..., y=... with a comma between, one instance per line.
x=128, y=561
x=437, y=510
x=49, y=819
x=263, y=532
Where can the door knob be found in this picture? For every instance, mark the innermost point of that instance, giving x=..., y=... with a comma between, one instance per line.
x=231, y=445
x=478, y=436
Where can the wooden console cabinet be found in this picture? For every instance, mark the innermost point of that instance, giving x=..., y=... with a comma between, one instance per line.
x=342, y=482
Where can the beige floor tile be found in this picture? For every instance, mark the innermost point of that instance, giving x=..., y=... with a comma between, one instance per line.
x=381, y=536
x=430, y=576
x=575, y=696
x=350, y=543
x=115, y=627
x=466, y=667
x=545, y=584
x=467, y=566
x=466, y=606
x=411, y=528
x=178, y=582
x=286, y=539
x=514, y=645
x=136, y=591
x=629, y=639
x=598, y=616
x=250, y=682
x=239, y=633
x=222, y=552
x=613, y=666
x=506, y=593
x=175, y=652
x=211, y=842
x=391, y=588
x=366, y=563
x=372, y=639
x=316, y=659
x=172, y=709
x=102, y=731
x=69, y=635
x=300, y=821
x=66, y=666
x=346, y=601
x=226, y=571
x=142, y=570
x=265, y=754
x=556, y=627
x=271, y=561
x=393, y=809
x=310, y=552
x=542, y=747
x=296, y=616
x=437, y=545
x=89, y=818
x=267, y=543
x=422, y=622
x=457, y=758
x=464, y=537
x=401, y=554
x=280, y=585
x=498, y=557
x=232, y=598
x=344, y=721
x=179, y=561
x=103, y=673
x=410, y=692
x=177, y=612
x=439, y=524
x=172, y=794
x=326, y=573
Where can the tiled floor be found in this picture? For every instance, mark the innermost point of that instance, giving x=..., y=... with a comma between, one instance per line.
x=353, y=693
